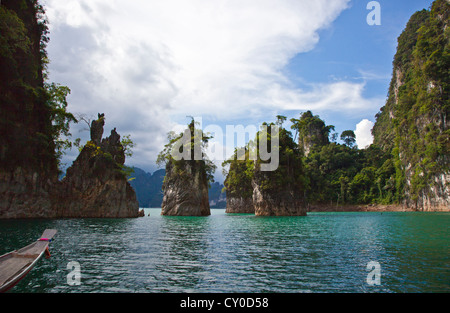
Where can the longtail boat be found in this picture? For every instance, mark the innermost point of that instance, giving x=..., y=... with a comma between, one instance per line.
x=15, y=265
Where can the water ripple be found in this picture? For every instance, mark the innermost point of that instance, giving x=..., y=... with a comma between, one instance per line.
x=323, y=252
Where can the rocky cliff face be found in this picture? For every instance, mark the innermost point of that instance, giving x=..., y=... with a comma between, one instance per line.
x=28, y=166
x=25, y=194
x=435, y=197
x=413, y=124
x=240, y=205
x=185, y=185
x=25, y=126
x=288, y=201
x=314, y=137
x=95, y=185
x=280, y=192
x=312, y=132
x=238, y=185
x=185, y=190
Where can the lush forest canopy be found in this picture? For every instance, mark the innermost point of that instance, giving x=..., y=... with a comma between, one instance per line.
x=330, y=173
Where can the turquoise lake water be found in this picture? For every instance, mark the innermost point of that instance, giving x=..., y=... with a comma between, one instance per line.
x=322, y=252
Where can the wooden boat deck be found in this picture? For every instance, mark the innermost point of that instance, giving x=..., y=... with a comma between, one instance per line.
x=16, y=264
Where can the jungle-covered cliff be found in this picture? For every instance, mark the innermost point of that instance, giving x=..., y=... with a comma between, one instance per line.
x=33, y=125
x=252, y=186
x=25, y=123
x=413, y=125
x=28, y=163
x=188, y=174
x=238, y=184
x=281, y=191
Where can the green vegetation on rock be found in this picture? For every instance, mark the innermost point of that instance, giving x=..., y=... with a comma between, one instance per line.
x=412, y=126
x=34, y=120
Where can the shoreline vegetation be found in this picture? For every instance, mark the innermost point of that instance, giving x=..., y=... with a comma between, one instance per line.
x=407, y=168
x=364, y=208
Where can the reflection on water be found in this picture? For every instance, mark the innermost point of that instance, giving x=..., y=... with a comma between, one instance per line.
x=322, y=252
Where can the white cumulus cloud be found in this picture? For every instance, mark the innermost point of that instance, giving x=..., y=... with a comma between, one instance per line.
x=363, y=133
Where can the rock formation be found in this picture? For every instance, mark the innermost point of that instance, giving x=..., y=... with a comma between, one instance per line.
x=288, y=200
x=185, y=191
x=312, y=132
x=28, y=166
x=95, y=185
x=238, y=185
x=240, y=205
x=413, y=126
x=279, y=192
x=186, y=182
x=25, y=194
x=97, y=129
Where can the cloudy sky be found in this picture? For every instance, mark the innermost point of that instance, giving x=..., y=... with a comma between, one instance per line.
x=148, y=64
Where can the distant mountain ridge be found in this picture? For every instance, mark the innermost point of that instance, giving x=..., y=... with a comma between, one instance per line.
x=149, y=193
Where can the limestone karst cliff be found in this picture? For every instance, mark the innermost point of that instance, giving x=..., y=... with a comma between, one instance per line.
x=238, y=184
x=282, y=203
x=185, y=190
x=240, y=205
x=96, y=185
x=276, y=192
x=28, y=166
x=413, y=125
x=408, y=165
x=280, y=192
x=29, y=127
x=186, y=182
x=25, y=125
x=312, y=132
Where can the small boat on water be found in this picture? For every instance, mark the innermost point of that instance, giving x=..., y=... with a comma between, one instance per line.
x=15, y=265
